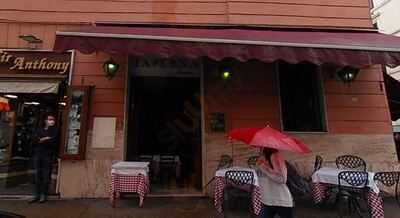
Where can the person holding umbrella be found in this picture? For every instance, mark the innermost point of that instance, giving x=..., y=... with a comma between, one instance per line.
x=271, y=167
x=275, y=194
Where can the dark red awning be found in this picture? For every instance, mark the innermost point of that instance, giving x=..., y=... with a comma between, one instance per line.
x=343, y=48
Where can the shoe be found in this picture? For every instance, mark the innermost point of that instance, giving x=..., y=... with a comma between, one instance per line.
x=43, y=199
x=34, y=200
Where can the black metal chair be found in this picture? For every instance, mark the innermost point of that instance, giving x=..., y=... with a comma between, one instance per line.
x=238, y=189
x=318, y=163
x=351, y=162
x=146, y=158
x=352, y=185
x=252, y=161
x=389, y=179
x=225, y=161
x=168, y=166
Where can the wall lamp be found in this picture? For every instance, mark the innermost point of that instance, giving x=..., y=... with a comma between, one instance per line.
x=225, y=70
x=110, y=68
x=226, y=74
x=348, y=74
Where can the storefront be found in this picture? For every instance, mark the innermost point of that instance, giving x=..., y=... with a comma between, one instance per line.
x=180, y=91
x=34, y=84
x=170, y=95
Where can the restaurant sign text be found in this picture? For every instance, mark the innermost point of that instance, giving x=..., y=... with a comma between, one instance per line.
x=165, y=67
x=34, y=62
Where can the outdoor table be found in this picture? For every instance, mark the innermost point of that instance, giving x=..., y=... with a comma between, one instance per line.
x=326, y=177
x=220, y=185
x=129, y=177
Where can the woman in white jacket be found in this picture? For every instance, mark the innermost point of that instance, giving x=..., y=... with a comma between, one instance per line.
x=275, y=195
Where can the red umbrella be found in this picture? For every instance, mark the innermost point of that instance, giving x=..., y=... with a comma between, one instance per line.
x=268, y=137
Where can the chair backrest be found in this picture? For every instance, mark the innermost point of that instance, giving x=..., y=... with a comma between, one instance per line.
x=351, y=162
x=251, y=162
x=388, y=179
x=239, y=178
x=356, y=179
x=167, y=159
x=225, y=161
x=146, y=158
x=318, y=163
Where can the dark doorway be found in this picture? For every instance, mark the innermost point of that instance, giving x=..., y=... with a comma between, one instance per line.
x=164, y=128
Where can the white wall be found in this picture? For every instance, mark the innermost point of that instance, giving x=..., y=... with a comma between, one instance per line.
x=386, y=14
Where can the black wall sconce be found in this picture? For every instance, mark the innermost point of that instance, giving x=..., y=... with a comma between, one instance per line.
x=110, y=68
x=226, y=74
x=225, y=71
x=348, y=74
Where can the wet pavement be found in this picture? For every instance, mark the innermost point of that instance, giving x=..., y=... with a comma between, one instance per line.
x=157, y=208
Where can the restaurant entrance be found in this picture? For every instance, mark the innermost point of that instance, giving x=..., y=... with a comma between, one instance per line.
x=164, y=128
x=17, y=132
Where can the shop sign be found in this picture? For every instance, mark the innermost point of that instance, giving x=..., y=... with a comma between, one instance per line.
x=165, y=67
x=35, y=62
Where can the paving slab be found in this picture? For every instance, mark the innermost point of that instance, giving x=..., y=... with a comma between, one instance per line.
x=157, y=208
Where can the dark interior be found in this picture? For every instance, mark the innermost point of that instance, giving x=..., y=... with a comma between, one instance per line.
x=18, y=128
x=164, y=127
x=301, y=97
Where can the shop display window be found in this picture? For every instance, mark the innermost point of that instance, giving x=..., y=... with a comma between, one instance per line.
x=18, y=127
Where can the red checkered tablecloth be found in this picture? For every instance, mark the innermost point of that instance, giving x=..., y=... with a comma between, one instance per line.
x=374, y=201
x=219, y=196
x=128, y=183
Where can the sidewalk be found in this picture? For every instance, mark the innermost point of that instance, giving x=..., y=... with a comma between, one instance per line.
x=153, y=208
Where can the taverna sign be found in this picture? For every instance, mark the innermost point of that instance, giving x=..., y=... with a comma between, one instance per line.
x=34, y=62
x=165, y=67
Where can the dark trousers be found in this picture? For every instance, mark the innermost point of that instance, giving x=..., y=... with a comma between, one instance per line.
x=43, y=166
x=271, y=211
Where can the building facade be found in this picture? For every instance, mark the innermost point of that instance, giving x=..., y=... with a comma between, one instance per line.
x=384, y=15
x=342, y=119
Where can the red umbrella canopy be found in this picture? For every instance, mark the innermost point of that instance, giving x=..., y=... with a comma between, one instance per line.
x=268, y=137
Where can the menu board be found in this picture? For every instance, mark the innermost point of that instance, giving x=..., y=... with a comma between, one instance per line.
x=74, y=122
x=75, y=119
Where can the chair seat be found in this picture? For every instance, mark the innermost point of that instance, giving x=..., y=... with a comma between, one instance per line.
x=238, y=189
x=235, y=198
x=353, y=193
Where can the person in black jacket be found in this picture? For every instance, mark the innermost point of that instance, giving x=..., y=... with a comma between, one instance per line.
x=43, y=150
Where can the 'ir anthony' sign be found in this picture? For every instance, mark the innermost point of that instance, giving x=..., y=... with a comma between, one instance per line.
x=35, y=62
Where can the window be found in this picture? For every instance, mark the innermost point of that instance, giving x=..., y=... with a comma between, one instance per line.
x=301, y=98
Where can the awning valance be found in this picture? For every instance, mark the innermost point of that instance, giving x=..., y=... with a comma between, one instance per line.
x=28, y=87
x=357, y=48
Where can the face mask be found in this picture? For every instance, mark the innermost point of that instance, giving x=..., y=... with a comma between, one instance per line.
x=51, y=122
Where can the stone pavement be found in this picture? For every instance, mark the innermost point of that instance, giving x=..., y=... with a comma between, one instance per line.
x=155, y=208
